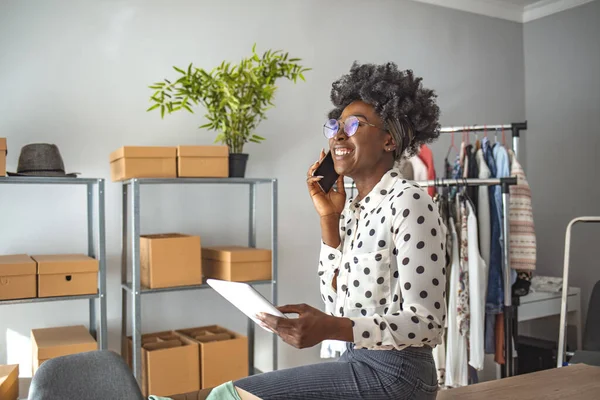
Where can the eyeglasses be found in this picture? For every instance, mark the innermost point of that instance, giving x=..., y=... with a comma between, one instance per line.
x=351, y=124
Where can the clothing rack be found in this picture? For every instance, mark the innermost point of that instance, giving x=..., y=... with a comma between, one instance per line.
x=509, y=307
x=515, y=128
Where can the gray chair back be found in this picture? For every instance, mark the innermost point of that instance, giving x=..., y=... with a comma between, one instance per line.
x=96, y=375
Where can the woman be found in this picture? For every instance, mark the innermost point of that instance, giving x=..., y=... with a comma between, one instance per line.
x=382, y=255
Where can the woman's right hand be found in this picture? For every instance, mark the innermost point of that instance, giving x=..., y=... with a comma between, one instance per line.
x=326, y=204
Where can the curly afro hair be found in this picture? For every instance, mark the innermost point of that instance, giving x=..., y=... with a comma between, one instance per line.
x=409, y=110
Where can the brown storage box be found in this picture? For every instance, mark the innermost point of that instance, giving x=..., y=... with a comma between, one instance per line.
x=62, y=341
x=17, y=277
x=223, y=354
x=9, y=382
x=170, y=259
x=170, y=364
x=143, y=162
x=235, y=263
x=2, y=157
x=66, y=275
x=203, y=161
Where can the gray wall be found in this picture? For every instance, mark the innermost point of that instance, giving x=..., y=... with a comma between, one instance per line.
x=75, y=73
x=562, y=75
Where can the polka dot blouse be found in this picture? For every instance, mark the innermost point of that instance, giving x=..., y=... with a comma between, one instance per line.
x=391, y=266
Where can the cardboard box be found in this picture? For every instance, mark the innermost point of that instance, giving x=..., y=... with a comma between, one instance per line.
x=223, y=354
x=170, y=259
x=9, y=382
x=143, y=162
x=18, y=278
x=66, y=275
x=3, y=151
x=49, y=343
x=236, y=263
x=203, y=161
x=170, y=364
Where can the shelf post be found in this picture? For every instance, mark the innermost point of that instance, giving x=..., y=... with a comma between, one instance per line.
x=102, y=266
x=91, y=253
x=136, y=282
x=274, y=255
x=251, y=243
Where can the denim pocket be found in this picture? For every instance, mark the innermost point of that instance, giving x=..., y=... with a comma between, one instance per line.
x=424, y=391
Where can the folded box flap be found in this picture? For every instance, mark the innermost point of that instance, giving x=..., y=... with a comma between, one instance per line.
x=202, y=151
x=144, y=152
x=65, y=264
x=18, y=264
x=236, y=254
x=3, y=144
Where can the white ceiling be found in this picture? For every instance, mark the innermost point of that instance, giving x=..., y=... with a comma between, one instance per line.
x=512, y=10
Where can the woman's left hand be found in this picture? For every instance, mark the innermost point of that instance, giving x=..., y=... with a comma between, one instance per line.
x=310, y=328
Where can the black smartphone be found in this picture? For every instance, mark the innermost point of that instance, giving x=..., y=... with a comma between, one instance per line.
x=327, y=171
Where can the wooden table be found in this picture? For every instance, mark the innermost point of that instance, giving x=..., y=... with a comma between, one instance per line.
x=574, y=382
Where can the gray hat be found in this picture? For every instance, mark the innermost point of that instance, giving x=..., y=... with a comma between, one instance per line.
x=41, y=159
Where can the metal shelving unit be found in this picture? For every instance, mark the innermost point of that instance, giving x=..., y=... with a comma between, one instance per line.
x=96, y=249
x=133, y=288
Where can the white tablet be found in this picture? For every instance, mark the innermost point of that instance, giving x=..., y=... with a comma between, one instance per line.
x=245, y=298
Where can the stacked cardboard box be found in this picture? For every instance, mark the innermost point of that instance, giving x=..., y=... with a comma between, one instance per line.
x=66, y=275
x=170, y=259
x=223, y=354
x=202, y=161
x=23, y=277
x=17, y=277
x=236, y=263
x=143, y=162
x=169, y=162
x=9, y=382
x=170, y=364
x=62, y=341
x=189, y=360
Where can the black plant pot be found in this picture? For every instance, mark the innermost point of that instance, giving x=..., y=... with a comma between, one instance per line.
x=237, y=165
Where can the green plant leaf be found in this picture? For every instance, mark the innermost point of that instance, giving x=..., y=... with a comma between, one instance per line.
x=154, y=107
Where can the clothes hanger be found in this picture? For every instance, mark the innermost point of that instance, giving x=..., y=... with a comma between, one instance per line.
x=452, y=146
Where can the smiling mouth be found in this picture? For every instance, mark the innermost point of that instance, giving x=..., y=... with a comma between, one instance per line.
x=341, y=151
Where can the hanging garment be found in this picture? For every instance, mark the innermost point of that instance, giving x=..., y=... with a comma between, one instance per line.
x=522, y=230
x=495, y=289
x=463, y=287
x=472, y=172
x=478, y=279
x=457, y=373
x=499, y=353
x=502, y=171
x=419, y=168
x=483, y=211
x=426, y=155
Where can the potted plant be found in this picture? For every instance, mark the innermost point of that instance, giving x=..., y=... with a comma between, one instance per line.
x=236, y=97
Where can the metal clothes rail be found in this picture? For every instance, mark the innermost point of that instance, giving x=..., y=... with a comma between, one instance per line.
x=96, y=249
x=515, y=128
x=133, y=288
